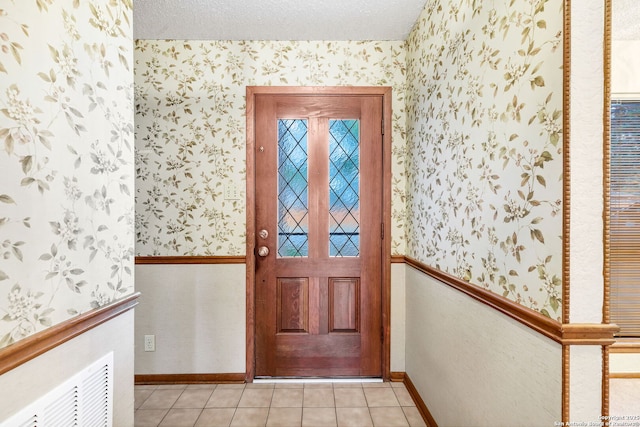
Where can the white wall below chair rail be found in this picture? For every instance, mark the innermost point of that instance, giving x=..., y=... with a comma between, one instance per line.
x=624, y=363
x=475, y=366
x=28, y=382
x=625, y=395
x=624, y=369
x=197, y=313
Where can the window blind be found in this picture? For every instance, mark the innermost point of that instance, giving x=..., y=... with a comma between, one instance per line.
x=624, y=216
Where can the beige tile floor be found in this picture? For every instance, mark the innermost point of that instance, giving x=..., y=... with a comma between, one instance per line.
x=280, y=404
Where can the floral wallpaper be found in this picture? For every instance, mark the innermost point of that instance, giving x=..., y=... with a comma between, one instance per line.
x=484, y=161
x=190, y=130
x=66, y=156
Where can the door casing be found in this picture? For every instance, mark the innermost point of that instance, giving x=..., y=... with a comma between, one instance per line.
x=252, y=91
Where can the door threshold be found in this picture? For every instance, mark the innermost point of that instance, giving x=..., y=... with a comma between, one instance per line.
x=290, y=380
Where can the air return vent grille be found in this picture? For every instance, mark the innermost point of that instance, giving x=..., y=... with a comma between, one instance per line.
x=85, y=400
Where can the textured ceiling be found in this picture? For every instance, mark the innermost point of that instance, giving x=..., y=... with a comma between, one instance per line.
x=275, y=19
x=306, y=20
x=626, y=20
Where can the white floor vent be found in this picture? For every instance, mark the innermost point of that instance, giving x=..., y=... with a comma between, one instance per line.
x=85, y=400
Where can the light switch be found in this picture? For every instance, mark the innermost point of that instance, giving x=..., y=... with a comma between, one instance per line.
x=230, y=191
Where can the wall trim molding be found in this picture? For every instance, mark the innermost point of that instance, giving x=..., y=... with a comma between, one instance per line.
x=589, y=334
x=606, y=375
x=534, y=320
x=566, y=202
x=157, y=379
x=625, y=346
x=41, y=342
x=606, y=202
x=224, y=259
x=565, y=334
x=396, y=377
x=422, y=407
x=625, y=375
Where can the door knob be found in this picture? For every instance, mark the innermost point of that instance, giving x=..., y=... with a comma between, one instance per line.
x=263, y=234
x=263, y=251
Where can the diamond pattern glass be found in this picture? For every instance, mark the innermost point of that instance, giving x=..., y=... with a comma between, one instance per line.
x=344, y=188
x=293, y=189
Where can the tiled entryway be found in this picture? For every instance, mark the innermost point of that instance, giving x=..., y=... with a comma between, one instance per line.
x=280, y=404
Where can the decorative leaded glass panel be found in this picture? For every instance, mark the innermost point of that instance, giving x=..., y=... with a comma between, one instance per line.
x=344, y=188
x=293, y=189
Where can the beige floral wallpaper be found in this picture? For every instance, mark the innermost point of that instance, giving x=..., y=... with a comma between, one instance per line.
x=477, y=138
x=66, y=156
x=190, y=130
x=484, y=161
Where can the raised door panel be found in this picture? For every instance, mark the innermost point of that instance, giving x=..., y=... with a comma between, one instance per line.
x=344, y=305
x=293, y=305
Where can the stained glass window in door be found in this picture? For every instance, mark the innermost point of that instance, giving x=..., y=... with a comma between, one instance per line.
x=293, y=186
x=344, y=188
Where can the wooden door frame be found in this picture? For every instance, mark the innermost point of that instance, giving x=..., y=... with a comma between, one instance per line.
x=383, y=91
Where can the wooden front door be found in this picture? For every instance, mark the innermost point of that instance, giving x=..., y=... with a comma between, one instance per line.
x=318, y=235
